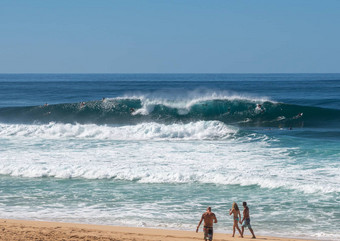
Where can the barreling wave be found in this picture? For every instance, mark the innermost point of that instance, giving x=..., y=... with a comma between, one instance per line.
x=134, y=110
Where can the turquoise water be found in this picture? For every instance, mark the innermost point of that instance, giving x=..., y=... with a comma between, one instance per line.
x=159, y=149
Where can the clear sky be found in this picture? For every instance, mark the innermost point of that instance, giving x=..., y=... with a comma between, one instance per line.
x=173, y=36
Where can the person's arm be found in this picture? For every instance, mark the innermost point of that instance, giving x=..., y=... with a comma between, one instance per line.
x=215, y=219
x=231, y=211
x=244, y=215
x=199, y=224
x=239, y=213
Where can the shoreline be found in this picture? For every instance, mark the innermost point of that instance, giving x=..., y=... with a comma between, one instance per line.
x=12, y=229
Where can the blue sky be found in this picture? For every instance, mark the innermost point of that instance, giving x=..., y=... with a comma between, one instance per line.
x=101, y=36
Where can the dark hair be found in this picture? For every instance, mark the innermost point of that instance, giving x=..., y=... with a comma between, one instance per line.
x=244, y=204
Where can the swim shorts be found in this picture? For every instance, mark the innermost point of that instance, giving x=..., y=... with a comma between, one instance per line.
x=246, y=223
x=208, y=233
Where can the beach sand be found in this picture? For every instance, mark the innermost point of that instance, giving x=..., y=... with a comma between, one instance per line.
x=12, y=230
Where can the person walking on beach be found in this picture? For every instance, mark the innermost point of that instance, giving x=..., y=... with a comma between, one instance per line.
x=246, y=220
x=237, y=217
x=209, y=220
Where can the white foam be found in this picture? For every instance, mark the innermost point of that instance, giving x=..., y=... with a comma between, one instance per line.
x=242, y=160
x=202, y=153
x=145, y=131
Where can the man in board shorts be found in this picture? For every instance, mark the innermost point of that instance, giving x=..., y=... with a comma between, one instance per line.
x=209, y=220
x=246, y=220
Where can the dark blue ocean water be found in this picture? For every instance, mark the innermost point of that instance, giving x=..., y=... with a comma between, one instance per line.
x=161, y=147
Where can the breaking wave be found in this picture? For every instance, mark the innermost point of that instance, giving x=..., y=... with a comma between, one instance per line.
x=135, y=110
x=202, y=130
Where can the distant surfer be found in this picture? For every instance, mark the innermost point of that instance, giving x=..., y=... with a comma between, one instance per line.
x=259, y=109
x=209, y=220
x=227, y=112
x=132, y=109
x=298, y=116
x=82, y=104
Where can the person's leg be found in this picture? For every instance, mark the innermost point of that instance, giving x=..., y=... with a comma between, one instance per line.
x=242, y=231
x=238, y=229
x=211, y=233
x=252, y=232
x=235, y=222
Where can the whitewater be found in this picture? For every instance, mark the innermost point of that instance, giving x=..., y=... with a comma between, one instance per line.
x=156, y=150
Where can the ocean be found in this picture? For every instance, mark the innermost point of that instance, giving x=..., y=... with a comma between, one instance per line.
x=154, y=150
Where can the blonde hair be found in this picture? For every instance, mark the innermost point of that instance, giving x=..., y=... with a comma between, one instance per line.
x=235, y=206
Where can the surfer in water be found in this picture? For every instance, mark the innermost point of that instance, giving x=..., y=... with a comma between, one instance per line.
x=298, y=116
x=259, y=109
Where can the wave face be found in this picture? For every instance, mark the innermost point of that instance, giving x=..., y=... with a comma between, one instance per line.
x=134, y=110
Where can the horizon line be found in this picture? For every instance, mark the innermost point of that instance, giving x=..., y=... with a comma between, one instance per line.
x=155, y=73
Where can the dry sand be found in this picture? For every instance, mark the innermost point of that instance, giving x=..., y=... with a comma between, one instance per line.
x=15, y=230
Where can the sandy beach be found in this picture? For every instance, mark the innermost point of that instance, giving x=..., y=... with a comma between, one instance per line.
x=39, y=230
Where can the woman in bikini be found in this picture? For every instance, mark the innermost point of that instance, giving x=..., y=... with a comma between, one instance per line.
x=237, y=217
